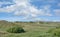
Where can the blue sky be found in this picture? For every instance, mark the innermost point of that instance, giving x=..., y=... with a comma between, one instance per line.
x=30, y=10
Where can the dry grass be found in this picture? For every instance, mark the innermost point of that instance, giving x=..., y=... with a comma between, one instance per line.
x=32, y=29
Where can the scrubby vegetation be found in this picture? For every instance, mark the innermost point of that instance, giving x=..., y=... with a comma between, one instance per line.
x=15, y=29
x=33, y=29
x=55, y=32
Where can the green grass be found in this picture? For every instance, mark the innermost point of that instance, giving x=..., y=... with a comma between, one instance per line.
x=32, y=29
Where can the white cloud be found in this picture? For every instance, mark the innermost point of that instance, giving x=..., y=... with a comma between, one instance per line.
x=1, y=3
x=58, y=4
x=5, y=3
x=24, y=8
x=56, y=20
x=6, y=8
x=57, y=12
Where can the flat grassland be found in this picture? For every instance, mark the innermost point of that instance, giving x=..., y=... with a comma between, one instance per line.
x=33, y=29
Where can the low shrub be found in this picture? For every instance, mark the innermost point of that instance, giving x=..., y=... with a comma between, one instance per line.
x=15, y=29
x=55, y=32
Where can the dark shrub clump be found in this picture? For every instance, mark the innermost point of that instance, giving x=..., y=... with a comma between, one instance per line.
x=15, y=29
x=55, y=32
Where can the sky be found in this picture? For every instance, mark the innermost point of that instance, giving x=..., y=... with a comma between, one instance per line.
x=30, y=10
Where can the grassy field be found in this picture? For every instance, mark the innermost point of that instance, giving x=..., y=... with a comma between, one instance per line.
x=33, y=29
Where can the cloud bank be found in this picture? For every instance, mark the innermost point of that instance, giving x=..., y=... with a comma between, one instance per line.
x=23, y=7
x=26, y=9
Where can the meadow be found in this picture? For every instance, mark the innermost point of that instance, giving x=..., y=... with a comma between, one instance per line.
x=33, y=29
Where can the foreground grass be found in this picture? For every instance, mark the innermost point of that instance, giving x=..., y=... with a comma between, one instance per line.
x=32, y=29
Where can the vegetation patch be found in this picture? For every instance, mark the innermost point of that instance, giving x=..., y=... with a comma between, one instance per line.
x=55, y=32
x=15, y=29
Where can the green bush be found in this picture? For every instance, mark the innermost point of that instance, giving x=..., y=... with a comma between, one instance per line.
x=15, y=29
x=55, y=32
